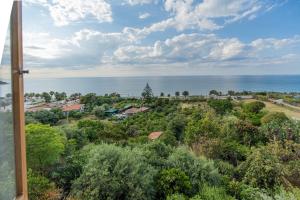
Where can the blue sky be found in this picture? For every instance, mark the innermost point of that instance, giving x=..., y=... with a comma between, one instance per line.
x=69, y=38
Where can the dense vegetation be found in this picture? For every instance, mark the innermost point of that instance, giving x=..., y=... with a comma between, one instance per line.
x=209, y=150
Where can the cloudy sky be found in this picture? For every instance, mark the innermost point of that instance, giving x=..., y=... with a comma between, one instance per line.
x=67, y=38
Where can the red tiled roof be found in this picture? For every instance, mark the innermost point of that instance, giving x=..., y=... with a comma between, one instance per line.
x=73, y=107
x=155, y=135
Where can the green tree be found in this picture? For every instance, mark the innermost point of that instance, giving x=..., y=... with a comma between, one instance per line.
x=99, y=112
x=253, y=107
x=262, y=169
x=199, y=170
x=231, y=93
x=177, y=94
x=177, y=126
x=115, y=173
x=281, y=131
x=172, y=181
x=46, y=96
x=185, y=93
x=147, y=93
x=44, y=145
x=221, y=106
x=162, y=94
x=51, y=93
x=214, y=92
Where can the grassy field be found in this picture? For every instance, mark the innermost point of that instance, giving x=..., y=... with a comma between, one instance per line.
x=271, y=107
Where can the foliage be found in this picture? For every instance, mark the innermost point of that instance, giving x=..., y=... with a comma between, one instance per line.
x=262, y=169
x=199, y=170
x=185, y=93
x=221, y=106
x=212, y=193
x=207, y=126
x=248, y=134
x=40, y=188
x=51, y=117
x=99, y=112
x=177, y=126
x=214, y=92
x=274, y=116
x=147, y=93
x=46, y=96
x=281, y=131
x=209, y=149
x=172, y=181
x=253, y=107
x=44, y=145
x=115, y=173
x=176, y=197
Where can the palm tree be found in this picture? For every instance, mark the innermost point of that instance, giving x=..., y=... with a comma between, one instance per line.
x=185, y=93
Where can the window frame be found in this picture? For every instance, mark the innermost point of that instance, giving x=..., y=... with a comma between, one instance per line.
x=18, y=100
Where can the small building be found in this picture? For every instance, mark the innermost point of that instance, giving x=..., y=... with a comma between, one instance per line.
x=133, y=111
x=111, y=111
x=155, y=135
x=73, y=107
x=126, y=107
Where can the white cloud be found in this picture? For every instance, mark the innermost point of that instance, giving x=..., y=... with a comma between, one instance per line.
x=205, y=48
x=42, y=45
x=212, y=15
x=139, y=2
x=144, y=15
x=273, y=43
x=63, y=12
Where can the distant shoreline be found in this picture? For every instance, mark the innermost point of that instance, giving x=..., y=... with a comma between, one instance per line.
x=162, y=76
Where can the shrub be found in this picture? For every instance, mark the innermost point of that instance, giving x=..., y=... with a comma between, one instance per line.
x=40, y=188
x=115, y=173
x=199, y=170
x=274, y=116
x=262, y=169
x=221, y=106
x=44, y=145
x=253, y=107
x=172, y=181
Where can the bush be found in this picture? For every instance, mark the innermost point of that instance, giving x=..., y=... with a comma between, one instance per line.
x=221, y=106
x=115, y=173
x=281, y=131
x=274, y=116
x=40, y=188
x=262, y=169
x=172, y=181
x=199, y=170
x=253, y=107
x=44, y=145
x=176, y=197
x=213, y=193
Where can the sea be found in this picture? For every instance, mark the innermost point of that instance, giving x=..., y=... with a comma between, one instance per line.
x=133, y=86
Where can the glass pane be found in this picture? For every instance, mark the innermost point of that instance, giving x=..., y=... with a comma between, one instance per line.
x=7, y=161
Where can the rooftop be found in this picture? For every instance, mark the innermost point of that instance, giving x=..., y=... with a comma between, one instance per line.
x=73, y=107
x=155, y=135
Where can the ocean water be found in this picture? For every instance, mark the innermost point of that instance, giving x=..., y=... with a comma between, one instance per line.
x=196, y=85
